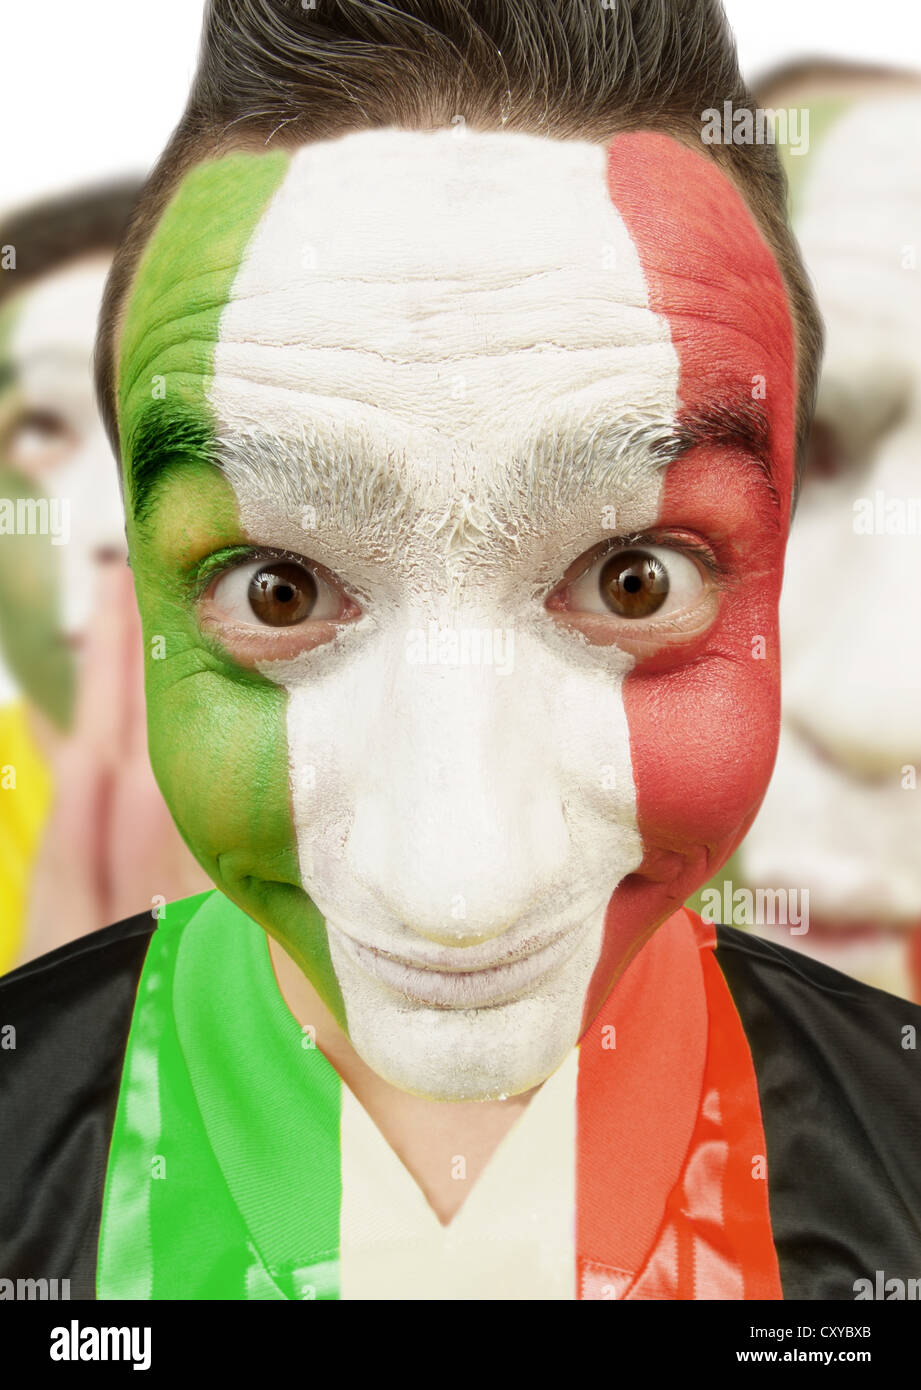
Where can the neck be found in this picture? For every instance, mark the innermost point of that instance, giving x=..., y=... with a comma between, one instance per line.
x=426, y=1135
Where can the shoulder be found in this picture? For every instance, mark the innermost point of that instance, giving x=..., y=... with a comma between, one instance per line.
x=838, y=1036
x=70, y=1006
x=839, y=1079
x=801, y=991
x=64, y=1024
x=77, y=965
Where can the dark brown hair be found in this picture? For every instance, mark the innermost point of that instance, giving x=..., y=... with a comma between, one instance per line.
x=275, y=73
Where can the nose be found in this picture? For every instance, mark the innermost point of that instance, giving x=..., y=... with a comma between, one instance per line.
x=457, y=831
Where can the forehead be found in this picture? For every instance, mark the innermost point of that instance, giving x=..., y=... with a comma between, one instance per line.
x=442, y=291
x=436, y=280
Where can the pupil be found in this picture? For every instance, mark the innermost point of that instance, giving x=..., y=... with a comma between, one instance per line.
x=634, y=584
x=282, y=594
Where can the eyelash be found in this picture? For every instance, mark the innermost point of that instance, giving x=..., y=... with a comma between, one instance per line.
x=685, y=543
x=223, y=561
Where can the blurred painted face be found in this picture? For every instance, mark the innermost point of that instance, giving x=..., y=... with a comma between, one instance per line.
x=60, y=509
x=459, y=476
x=843, y=813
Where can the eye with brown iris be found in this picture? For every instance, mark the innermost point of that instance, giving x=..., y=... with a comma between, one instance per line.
x=633, y=584
x=282, y=594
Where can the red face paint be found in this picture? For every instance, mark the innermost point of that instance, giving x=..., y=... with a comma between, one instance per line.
x=704, y=721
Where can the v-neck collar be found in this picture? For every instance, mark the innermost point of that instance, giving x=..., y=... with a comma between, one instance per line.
x=261, y=1140
x=269, y=1099
x=271, y=1102
x=512, y=1237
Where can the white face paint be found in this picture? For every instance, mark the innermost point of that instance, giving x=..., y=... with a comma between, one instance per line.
x=419, y=299
x=51, y=350
x=837, y=817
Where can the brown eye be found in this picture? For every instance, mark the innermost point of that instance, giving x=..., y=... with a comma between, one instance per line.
x=282, y=593
x=633, y=584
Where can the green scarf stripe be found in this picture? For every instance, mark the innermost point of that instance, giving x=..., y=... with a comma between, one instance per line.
x=224, y=1178
x=145, y=1141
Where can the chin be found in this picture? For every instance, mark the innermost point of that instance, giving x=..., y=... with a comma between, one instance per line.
x=467, y=1055
x=455, y=1053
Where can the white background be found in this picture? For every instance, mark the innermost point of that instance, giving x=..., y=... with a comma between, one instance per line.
x=92, y=88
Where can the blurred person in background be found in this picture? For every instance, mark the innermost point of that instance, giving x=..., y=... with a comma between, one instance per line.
x=842, y=815
x=84, y=834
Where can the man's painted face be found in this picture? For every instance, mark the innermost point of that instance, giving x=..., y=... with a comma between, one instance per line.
x=463, y=661
x=842, y=817
x=58, y=483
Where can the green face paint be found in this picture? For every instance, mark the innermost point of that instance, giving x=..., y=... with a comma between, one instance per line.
x=216, y=730
x=207, y=989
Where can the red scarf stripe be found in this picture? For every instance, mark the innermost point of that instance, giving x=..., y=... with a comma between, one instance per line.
x=713, y=1239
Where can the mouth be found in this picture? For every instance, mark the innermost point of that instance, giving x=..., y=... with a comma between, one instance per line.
x=447, y=981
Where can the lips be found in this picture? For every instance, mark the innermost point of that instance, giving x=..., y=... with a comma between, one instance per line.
x=453, y=979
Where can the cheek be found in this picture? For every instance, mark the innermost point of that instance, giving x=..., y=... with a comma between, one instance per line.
x=225, y=779
x=703, y=742
x=704, y=734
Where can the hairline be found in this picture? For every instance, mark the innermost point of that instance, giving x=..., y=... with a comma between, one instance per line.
x=269, y=78
x=110, y=348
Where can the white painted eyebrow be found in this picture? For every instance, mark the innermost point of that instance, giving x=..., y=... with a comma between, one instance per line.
x=358, y=484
